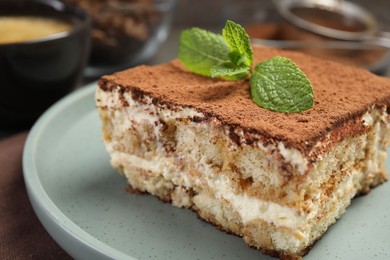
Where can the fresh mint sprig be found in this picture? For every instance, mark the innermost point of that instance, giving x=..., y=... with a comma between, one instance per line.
x=200, y=50
x=241, y=53
x=277, y=84
x=229, y=56
x=240, y=57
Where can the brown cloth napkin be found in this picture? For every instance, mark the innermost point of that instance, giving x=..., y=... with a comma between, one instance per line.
x=21, y=234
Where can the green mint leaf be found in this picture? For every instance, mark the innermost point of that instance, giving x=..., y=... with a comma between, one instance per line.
x=238, y=59
x=229, y=71
x=276, y=84
x=279, y=85
x=238, y=41
x=200, y=50
x=229, y=56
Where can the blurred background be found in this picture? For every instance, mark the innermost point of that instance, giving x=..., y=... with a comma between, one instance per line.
x=126, y=33
x=262, y=21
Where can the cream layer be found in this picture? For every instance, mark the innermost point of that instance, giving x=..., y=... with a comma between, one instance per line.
x=248, y=207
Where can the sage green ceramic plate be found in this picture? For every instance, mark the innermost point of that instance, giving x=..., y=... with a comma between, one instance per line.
x=83, y=204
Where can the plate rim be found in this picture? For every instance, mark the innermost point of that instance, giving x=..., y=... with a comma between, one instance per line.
x=61, y=228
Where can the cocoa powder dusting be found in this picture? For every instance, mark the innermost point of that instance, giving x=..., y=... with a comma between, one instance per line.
x=342, y=95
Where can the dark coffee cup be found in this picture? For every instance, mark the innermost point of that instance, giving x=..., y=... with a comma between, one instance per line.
x=36, y=73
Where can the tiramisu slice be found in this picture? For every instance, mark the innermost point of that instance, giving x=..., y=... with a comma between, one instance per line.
x=278, y=180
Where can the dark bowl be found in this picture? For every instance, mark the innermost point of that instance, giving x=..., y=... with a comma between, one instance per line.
x=36, y=73
x=125, y=33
